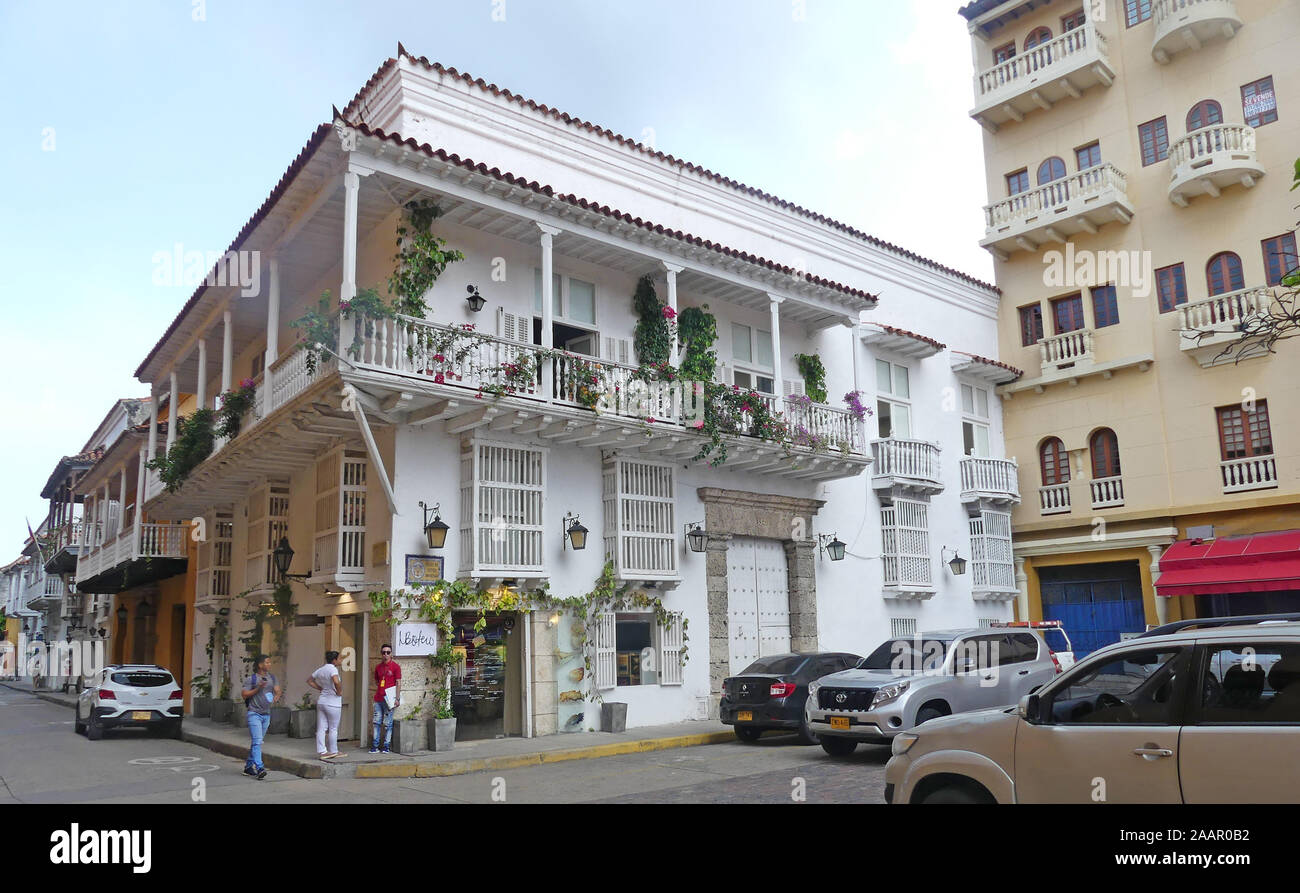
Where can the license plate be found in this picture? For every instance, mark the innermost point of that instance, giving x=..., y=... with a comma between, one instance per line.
x=840, y=722
x=745, y=716
x=144, y=715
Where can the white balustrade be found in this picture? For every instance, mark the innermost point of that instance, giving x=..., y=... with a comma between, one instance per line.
x=1195, y=151
x=916, y=460
x=1083, y=185
x=990, y=476
x=1054, y=499
x=1065, y=350
x=1225, y=310
x=1037, y=65
x=1251, y=473
x=1107, y=492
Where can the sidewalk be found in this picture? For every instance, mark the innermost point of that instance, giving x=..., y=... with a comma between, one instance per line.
x=298, y=755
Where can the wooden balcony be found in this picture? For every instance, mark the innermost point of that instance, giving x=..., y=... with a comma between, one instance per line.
x=1037, y=79
x=1189, y=24
x=1209, y=160
x=906, y=465
x=994, y=480
x=158, y=553
x=1082, y=202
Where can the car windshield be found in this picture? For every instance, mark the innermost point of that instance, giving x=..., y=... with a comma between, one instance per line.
x=907, y=655
x=143, y=678
x=775, y=666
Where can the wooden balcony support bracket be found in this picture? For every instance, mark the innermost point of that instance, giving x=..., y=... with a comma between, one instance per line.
x=1055, y=235
x=507, y=421
x=573, y=435
x=1014, y=113
x=564, y=426
x=662, y=444
x=439, y=409
x=1026, y=243
x=535, y=424
x=376, y=459
x=475, y=418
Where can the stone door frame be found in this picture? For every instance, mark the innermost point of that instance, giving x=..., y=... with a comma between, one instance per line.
x=732, y=513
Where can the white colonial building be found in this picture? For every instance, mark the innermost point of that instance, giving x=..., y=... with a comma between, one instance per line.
x=558, y=220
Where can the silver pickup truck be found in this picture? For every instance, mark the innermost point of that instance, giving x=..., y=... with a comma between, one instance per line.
x=906, y=682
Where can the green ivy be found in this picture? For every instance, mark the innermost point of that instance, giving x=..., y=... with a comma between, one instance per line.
x=194, y=442
x=652, y=340
x=421, y=258
x=698, y=330
x=814, y=376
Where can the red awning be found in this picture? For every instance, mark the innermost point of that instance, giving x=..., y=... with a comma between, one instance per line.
x=1263, y=562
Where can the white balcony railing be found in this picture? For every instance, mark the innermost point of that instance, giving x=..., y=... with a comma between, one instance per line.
x=896, y=460
x=1107, y=493
x=1054, y=499
x=1064, y=351
x=995, y=478
x=1210, y=325
x=156, y=541
x=1186, y=24
x=1080, y=202
x=1043, y=75
x=1251, y=473
x=1206, y=161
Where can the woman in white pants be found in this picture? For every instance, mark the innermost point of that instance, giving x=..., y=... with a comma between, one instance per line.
x=329, y=706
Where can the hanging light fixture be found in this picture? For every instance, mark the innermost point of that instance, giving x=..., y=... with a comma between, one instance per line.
x=831, y=544
x=283, y=558
x=574, y=534
x=435, y=531
x=958, y=564
x=476, y=300
x=695, y=536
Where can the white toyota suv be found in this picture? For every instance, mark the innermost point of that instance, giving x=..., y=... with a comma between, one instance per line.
x=121, y=695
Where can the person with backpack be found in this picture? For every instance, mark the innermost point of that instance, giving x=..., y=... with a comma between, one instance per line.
x=329, y=706
x=260, y=691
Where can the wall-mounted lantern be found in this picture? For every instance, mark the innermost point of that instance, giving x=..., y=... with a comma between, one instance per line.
x=283, y=557
x=476, y=300
x=831, y=545
x=435, y=531
x=574, y=534
x=957, y=565
x=695, y=536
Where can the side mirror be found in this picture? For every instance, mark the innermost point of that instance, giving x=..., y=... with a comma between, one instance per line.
x=1029, y=708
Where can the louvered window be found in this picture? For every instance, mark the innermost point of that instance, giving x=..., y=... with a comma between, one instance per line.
x=339, y=545
x=268, y=522
x=992, y=568
x=640, y=531
x=905, y=527
x=604, y=647
x=671, y=638
x=502, y=497
x=212, y=579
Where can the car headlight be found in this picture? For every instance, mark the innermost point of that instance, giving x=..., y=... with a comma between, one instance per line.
x=903, y=743
x=813, y=687
x=889, y=693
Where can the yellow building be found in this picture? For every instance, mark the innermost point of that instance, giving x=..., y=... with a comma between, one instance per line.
x=1139, y=155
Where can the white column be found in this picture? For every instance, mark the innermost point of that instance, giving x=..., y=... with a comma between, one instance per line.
x=153, y=424
x=548, y=301
x=1022, y=587
x=774, y=306
x=201, y=388
x=348, y=289
x=1162, y=604
x=272, y=335
x=138, y=520
x=173, y=406
x=227, y=350
x=108, y=509
x=672, y=271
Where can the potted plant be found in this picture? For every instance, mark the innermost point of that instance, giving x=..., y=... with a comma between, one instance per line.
x=223, y=707
x=201, y=695
x=442, y=727
x=302, y=719
x=411, y=733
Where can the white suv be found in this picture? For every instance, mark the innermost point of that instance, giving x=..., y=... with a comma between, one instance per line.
x=144, y=695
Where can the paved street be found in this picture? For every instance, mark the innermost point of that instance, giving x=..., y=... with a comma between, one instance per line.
x=54, y=765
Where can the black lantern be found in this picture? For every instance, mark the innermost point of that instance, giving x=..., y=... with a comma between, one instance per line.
x=476, y=300
x=695, y=536
x=835, y=548
x=957, y=565
x=435, y=531
x=575, y=533
x=283, y=558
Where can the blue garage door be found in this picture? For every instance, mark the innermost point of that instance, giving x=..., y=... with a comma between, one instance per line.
x=1095, y=602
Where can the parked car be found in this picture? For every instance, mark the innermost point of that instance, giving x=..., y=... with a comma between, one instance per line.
x=907, y=682
x=1208, y=715
x=770, y=693
x=1061, y=649
x=130, y=695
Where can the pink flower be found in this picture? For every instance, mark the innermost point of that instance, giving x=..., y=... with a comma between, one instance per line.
x=699, y=426
x=438, y=379
x=247, y=383
x=345, y=305
x=670, y=313
x=439, y=358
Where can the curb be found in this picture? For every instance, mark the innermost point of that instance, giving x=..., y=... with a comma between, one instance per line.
x=292, y=765
x=50, y=696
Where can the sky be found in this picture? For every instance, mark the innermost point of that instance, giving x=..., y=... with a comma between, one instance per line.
x=132, y=126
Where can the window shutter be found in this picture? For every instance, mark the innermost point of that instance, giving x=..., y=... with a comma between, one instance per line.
x=670, y=652
x=513, y=327
x=793, y=387
x=606, y=660
x=617, y=350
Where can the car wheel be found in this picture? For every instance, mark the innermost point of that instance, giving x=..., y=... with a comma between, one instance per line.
x=925, y=714
x=175, y=730
x=94, y=730
x=806, y=735
x=838, y=747
x=77, y=725
x=953, y=795
x=748, y=733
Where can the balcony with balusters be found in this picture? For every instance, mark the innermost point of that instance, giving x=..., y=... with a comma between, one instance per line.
x=1249, y=473
x=1211, y=159
x=152, y=552
x=1189, y=24
x=1040, y=77
x=1055, y=212
x=990, y=480
x=901, y=465
x=1211, y=328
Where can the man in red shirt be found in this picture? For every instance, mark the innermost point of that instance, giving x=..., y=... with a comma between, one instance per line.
x=388, y=678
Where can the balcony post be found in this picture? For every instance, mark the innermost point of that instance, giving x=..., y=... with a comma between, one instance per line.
x=173, y=404
x=138, y=521
x=121, y=498
x=774, y=307
x=272, y=335
x=348, y=288
x=227, y=350
x=672, y=270
x=201, y=386
x=548, y=234
x=153, y=423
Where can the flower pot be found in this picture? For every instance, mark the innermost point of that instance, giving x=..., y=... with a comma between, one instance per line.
x=239, y=715
x=613, y=717
x=201, y=706
x=409, y=735
x=221, y=710
x=442, y=734
x=302, y=723
x=279, y=721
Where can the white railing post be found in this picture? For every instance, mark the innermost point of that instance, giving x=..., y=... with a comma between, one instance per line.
x=548, y=234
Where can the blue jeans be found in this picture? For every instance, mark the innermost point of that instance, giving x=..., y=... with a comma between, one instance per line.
x=384, y=712
x=257, y=725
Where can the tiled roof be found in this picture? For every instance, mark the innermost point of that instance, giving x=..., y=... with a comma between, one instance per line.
x=985, y=361
x=349, y=113
x=906, y=334
x=605, y=210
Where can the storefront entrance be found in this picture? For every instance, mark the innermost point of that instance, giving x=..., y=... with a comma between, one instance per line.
x=487, y=679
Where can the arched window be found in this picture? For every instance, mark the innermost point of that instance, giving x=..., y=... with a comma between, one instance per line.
x=1051, y=169
x=1038, y=37
x=1223, y=274
x=1104, y=447
x=1055, y=462
x=1203, y=114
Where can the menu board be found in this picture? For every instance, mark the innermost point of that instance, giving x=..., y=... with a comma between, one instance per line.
x=571, y=683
